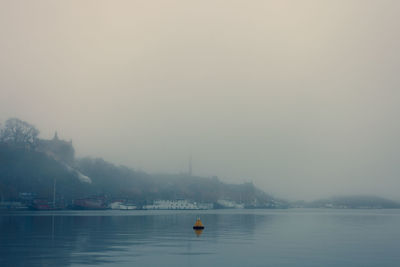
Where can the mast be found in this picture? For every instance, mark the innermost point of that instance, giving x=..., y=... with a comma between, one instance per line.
x=190, y=165
x=54, y=193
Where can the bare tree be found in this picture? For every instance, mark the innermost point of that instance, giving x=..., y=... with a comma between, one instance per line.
x=18, y=132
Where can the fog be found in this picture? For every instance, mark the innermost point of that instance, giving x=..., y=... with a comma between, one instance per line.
x=299, y=97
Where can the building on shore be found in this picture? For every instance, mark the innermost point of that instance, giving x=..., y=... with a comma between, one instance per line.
x=230, y=204
x=179, y=204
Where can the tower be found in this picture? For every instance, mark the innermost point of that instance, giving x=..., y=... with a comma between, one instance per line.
x=55, y=136
x=190, y=166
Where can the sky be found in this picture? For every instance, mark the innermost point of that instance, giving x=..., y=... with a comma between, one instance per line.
x=299, y=97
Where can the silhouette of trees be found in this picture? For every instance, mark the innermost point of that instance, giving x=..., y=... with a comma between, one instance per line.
x=19, y=133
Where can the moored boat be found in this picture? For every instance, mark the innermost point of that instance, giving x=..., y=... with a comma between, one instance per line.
x=44, y=204
x=91, y=203
x=122, y=206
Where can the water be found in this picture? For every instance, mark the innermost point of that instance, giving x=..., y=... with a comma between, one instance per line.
x=231, y=238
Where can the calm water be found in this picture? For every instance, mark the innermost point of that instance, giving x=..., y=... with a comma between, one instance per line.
x=232, y=238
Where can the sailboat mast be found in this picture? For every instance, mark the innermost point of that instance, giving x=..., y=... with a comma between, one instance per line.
x=54, y=193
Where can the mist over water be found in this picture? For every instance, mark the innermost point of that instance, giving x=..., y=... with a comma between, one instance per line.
x=299, y=97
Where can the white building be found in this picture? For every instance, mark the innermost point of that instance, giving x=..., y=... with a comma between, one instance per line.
x=205, y=206
x=230, y=204
x=180, y=204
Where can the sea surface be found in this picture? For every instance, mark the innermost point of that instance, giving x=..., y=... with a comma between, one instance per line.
x=292, y=237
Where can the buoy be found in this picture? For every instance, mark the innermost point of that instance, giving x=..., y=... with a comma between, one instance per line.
x=198, y=225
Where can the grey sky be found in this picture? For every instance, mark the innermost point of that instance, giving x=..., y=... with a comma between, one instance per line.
x=300, y=97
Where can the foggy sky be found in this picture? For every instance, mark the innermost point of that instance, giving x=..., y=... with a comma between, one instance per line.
x=299, y=97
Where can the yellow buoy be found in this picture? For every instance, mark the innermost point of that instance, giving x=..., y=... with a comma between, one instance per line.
x=198, y=225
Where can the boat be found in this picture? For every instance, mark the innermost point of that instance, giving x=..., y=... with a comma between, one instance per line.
x=91, y=203
x=44, y=204
x=122, y=206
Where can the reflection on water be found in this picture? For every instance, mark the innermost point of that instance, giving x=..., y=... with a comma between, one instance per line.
x=62, y=239
x=231, y=238
x=198, y=232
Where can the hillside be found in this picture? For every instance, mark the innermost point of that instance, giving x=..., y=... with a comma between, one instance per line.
x=36, y=166
x=24, y=170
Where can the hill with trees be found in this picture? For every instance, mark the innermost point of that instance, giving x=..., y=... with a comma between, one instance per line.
x=34, y=165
